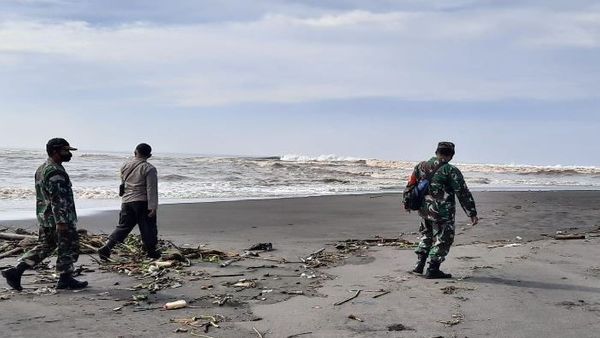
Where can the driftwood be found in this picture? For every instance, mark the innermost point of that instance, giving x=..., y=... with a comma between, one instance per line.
x=11, y=252
x=349, y=299
x=240, y=257
x=573, y=236
x=15, y=237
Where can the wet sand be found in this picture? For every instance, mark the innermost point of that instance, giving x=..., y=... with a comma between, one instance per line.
x=539, y=286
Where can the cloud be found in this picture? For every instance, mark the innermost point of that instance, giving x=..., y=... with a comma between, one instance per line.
x=413, y=55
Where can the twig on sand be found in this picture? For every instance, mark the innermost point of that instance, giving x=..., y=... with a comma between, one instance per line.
x=257, y=332
x=382, y=294
x=349, y=299
x=299, y=334
x=230, y=275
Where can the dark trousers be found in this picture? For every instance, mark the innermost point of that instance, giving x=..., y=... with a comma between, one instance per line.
x=132, y=214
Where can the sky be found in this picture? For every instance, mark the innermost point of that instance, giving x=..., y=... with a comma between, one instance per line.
x=507, y=81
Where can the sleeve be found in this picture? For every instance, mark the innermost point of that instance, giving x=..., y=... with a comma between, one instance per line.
x=152, y=188
x=59, y=190
x=465, y=197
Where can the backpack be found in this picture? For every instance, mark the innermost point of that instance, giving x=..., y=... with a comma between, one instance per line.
x=416, y=195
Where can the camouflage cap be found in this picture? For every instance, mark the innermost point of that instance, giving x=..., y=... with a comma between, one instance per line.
x=445, y=147
x=57, y=143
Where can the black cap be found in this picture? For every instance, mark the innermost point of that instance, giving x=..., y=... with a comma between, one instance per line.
x=445, y=148
x=57, y=143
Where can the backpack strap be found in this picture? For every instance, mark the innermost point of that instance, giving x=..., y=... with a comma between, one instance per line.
x=131, y=171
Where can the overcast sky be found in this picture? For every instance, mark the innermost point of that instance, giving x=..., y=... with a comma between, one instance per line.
x=507, y=81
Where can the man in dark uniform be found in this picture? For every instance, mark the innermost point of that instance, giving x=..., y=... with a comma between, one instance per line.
x=139, y=203
x=439, y=208
x=57, y=218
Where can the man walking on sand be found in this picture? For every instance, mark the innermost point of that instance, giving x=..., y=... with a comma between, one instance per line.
x=57, y=218
x=438, y=209
x=139, y=203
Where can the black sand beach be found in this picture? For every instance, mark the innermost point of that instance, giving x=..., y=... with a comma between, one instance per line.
x=537, y=286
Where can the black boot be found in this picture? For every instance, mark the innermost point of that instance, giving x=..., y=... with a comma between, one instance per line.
x=434, y=272
x=422, y=259
x=66, y=281
x=13, y=275
x=153, y=254
x=104, y=252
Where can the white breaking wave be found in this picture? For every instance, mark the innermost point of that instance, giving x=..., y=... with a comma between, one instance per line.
x=320, y=158
x=95, y=176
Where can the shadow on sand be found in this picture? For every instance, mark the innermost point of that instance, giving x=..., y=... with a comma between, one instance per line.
x=531, y=284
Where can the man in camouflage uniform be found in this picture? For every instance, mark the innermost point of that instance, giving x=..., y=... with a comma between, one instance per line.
x=55, y=209
x=439, y=208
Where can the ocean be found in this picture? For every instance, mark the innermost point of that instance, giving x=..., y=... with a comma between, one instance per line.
x=198, y=178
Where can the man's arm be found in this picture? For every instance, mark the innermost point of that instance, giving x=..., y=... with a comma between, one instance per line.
x=58, y=189
x=152, y=191
x=465, y=197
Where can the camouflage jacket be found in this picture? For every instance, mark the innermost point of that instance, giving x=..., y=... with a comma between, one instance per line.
x=54, y=196
x=447, y=182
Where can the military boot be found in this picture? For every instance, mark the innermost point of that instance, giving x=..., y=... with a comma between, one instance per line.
x=153, y=254
x=104, y=252
x=13, y=275
x=422, y=259
x=434, y=272
x=66, y=281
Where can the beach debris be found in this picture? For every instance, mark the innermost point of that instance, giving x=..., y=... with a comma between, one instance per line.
x=261, y=247
x=178, y=304
x=349, y=299
x=569, y=236
x=292, y=292
x=257, y=332
x=245, y=284
x=221, y=299
x=457, y=318
x=399, y=327
x=353, y=317
x=203, y=322
x=238, y=258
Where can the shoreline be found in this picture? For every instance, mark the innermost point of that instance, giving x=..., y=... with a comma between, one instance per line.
x=493, y=289
x=93, y=211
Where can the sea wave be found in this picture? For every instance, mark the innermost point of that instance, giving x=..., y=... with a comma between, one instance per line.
x=16, y=193
x=320, y=158
x=174, y=178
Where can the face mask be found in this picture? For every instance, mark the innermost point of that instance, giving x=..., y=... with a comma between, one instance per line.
x=65, y=155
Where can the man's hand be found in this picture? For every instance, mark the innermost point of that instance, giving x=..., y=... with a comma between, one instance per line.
x=62, y=227
x=151, y=212
x=474, y=220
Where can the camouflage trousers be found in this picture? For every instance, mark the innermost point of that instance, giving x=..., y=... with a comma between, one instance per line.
x=65, y=243
x=436, y=240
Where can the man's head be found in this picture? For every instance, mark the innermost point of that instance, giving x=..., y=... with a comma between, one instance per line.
x=143, y=150
x=59, y=150
x=445, y=150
